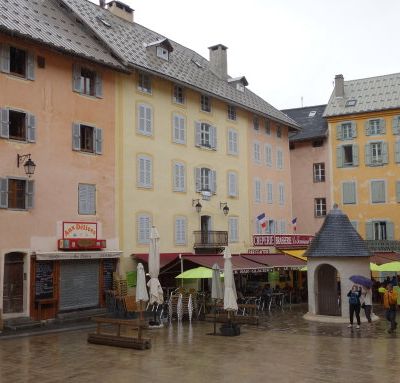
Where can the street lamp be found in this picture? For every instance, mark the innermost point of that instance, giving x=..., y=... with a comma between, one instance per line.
x=29, y=165
x=196, y=203
x=224, y=206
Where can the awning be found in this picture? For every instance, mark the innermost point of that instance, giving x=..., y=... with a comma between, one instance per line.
x=382, y=258
x=63, y=255
x=276, y=260
x=165, y=258
x=296, y=253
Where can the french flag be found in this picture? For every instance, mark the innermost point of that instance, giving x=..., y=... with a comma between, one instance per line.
x=263, y=220
x=294, y=222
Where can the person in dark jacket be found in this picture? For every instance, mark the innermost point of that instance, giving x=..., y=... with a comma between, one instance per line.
x=354, y=305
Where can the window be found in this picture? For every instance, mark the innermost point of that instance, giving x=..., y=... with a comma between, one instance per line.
x=256, y=123
x=349, y=196
x=267, y=127
x=233, y=145
x=346, y=130
x=257, y=191
x=144, y=82
x=143, y=228
x=319, y=172
x=16, y=193
x=145, y=120
x=178, y=129
x=376, y=153
x=346, y=156
x=205, y=103
x=232, y=112
x=86, y=199
x=397, y=191
x=206, y=180
x=180, y=231
x=396, y=125
x=350, y=103
x=256, y=152
x=279, y=131
x=232, y=184
x=145, y=172
x=87, y=81
x=375, y=126
x=179, y=94
x=17, y=62
x=179, y=172
x=281, y=191
x=379, y=230
x=397, y=151
x=268, y=155
x=162, y=53
x=233, y=229
x=87, y=139
x=320, y=207
x=240, y=87
x=206, y=135
x=270, y=193
x=378, y=191
x=282, y=227
x=271, y=227
x=17, y=125
x=279, y=159
x=317, y=143
x=312, y=113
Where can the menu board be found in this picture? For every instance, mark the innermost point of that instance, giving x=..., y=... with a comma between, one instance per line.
x=108, y=269
x=44, y=283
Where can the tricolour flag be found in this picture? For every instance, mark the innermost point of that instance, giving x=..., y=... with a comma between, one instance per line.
x=294, y=222
x=263, y=220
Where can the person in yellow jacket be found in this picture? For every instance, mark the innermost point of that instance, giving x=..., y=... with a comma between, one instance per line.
x=390, y=304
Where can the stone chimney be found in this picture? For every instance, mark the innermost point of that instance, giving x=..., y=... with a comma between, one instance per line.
x=218, y=61
x=121, y=10
x=102, y=3
x=339, y=85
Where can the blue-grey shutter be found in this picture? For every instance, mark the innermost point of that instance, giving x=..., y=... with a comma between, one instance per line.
x=4, y=123
x=29, y=194
x=197, y=133
x=397, y=151
x=197, y=178
x=385, y=154
x=355, y=155
x=98, y=144
x=3, y=193
x=382, y=126
x=31, y=127
x=98, y=86
x=83, y=199
x=5, y=58
x=76, y=78
x=339, y=132
x=92, y=199
x=389, y=230
x=30, y=66
x=368, y=155
x=396, y=125
x=369, y=230
x=367, y=128
x=213, y=135
x=397, y=191
x=76, y=136
x=339, y=157
x=353, y=129
x=213, y=181
x=349, y=192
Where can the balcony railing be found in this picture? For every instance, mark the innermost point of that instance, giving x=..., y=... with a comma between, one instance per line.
x=210, y=239
x=383, y=245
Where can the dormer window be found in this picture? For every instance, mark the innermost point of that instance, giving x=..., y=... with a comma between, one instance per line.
x=312, y=113
x=240, y=87
x=239, y=83
x=162, y=53
x=161, y=48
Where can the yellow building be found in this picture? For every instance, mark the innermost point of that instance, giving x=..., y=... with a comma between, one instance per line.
x=364, y=130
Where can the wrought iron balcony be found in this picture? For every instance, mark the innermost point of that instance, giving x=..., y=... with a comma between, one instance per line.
x=383, y=245
x=210, y=239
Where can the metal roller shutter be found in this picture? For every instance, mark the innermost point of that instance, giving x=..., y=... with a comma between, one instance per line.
x=79, y=284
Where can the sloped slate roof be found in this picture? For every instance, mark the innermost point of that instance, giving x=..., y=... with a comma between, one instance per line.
x=371, y=94
x=311, y=127
x=47, y=22
x=128, y=41
x=337, y=238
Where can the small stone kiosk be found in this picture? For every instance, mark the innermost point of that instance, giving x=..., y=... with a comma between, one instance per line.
x=336, y=253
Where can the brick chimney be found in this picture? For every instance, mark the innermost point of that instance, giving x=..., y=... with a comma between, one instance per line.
x=218, y=61
x=339, y=85
x=121, y=10
x=102, y=3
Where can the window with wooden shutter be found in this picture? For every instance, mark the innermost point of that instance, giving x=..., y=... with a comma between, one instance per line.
x=339, y=157
x=281, y=191
x=369, y=231
x=3, y=193
x=269, y=191
x=268, y=155
x=379, y=230
x=98, y=141
x=213, y=181
x=213, y=137
x=233, y=147
x=31, y=127
x=375, y=126
x=232, y=184
x=233, y=229
x=349, y=193
x=17, y=62
x=98, y=85
x=17, y=125
x=256, y=152
x=86, y=199
x=378, y=191
x=145, y=123
x=397, y=191
x=397, y=151
x=257, y=190
x=29, y=194
x=396, y=125
x=178, y=129
x=279, y=159
x=4, y=123
x=5, y=58
x=144, y=172
x=197, y=179
x=179, y=177
x=143, y=228
x=180, y=231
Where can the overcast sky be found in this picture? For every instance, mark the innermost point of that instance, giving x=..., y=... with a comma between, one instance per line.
x=287, y=49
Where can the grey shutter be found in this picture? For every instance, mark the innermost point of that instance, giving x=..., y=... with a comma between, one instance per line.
x=396, y=125
x=213, y=134
x=76, y=78
x=353, y=129
x=369, y=230
x=397, y=151
x=175, y=128
x=31, y=127
x=355, y=155
x=382, y=126
x=339, y=157
x=175, y=177
x=30, y=66
x=29, y=194
x=368, y=155
x=98, y=140
x=92, y=199
x=389, y=230
x=366, y=128
x=3, y=193
x=339, y=132
x=385, y=155
x=397, y=191
x=197, y=133
x=5, y=58
x=5, y=124
x=197, y=178
x=82, y=199
x=213, y=181
x=76, y=136
x=349, y=192
x=98, y=86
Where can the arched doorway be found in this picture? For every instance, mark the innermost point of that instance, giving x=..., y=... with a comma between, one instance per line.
x=13, y=286
x=328, y=290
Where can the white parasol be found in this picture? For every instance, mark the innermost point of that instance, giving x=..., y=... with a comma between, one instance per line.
x=141, y=289
x=230, y=298
x=156, y=292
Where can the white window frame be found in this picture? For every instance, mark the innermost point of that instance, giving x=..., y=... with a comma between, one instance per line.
x=233, y=142
x=205, y=103
x=178, y=96
x=178, y=128
x=145, y=120
x=180, y=230
x=257, y=190
x=162, y=53
x=178, y=176
x=257, y=152
x=376, y=152
x=145, y=168
x=143, y=222
x=231, y=112
x=347, y=131
x=319, y=172
x=281, y=194
x=319, y=207
x=268, y=154
x=233, y=229
x=269, y=192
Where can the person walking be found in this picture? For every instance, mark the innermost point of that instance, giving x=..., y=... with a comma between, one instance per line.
x=390, y=304
x=366, y=302
x=354, y=305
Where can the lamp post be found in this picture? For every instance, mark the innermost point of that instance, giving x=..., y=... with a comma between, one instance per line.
x=224, y=206
x=29, y=165
x=196, y=203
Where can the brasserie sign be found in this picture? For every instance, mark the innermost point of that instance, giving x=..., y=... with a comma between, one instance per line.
x=282, y=240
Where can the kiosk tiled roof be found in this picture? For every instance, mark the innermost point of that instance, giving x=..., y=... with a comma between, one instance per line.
x=312, y=124
x=337, y=238
x=51, y=23
x=128, y=40
x=366, y=95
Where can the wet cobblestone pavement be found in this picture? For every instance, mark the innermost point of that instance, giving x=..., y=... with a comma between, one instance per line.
x=283, y=348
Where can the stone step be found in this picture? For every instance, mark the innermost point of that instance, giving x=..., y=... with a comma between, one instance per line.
x=80, y=315
x=23, y=323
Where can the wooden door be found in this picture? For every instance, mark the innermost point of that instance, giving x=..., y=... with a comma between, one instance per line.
x=327, y=290
x=13, y=287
